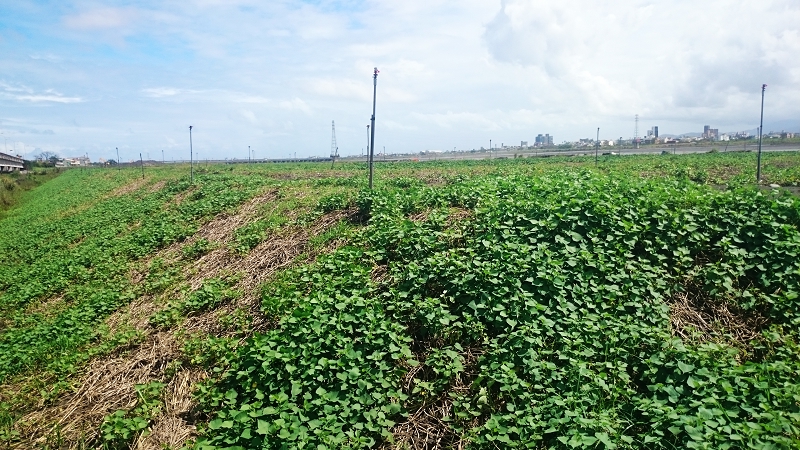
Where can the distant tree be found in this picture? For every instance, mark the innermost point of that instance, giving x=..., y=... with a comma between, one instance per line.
x=45, y=156
x=111, y=162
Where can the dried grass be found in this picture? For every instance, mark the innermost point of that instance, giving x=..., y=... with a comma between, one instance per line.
x=157, y=186
x=107, y=386
x=132, y=186
x=425, y=428
x=175, y=424
x=697, y=317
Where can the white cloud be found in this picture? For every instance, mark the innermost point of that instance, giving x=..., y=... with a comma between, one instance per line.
x=101, y=18
x=295, y=104
x=651, y=57
x=162, y=92
x=25, y=94
x=248, y=115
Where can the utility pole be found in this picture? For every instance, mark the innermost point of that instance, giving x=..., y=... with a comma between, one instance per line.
x=596, y=146
x=162, y=157
x=119, y=168
x=191, y=157
x=142, y=164
x=372, y=122
x=248, y=154
x=760, y=134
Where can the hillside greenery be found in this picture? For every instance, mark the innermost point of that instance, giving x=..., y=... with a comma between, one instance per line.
x=646, y=302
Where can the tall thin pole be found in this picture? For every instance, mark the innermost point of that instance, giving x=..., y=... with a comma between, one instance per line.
x=760, y=134
x=162, y=157
x=191, y=157
x=367, y=142
x=141, y=162
x=119, y=168
x=248, y=154
x=596, y=146
x=372, y=122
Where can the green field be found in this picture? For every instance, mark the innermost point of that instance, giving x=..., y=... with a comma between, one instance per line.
x=644, y=302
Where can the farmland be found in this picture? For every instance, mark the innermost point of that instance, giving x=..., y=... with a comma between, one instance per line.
x=646, y=302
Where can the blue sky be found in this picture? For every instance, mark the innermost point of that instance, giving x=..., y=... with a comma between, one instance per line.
x=85, y=77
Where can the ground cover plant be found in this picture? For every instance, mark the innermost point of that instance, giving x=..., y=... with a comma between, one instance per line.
x=646, y=302
x=564, y=285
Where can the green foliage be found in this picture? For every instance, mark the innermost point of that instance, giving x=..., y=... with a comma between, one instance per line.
x=212, y=293
x=77, y=240
x=562, y=284
x=120, y=428
x=327, y=376
x=533, y=295
x=334, y=202
x=197, y=249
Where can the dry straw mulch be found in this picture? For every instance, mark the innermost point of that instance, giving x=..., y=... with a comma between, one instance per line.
x=107, y=386
x=697, y=317
x=425, y=428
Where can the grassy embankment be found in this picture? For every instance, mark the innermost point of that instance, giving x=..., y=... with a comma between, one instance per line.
x=482, y=302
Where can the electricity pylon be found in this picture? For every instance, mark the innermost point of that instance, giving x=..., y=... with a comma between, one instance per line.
x=334, y=147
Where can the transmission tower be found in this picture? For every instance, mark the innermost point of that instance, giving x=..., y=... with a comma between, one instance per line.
x=334, y=147
x=636, y=132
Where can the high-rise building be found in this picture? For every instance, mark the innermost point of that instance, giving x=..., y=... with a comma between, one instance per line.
x=655, y=131
x=542, y=140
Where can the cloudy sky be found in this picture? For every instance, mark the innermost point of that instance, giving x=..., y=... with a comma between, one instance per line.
x=82, y=77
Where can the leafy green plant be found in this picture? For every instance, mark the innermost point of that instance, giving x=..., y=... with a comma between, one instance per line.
x=120, y=428
x=212, y=293
x=197, y=249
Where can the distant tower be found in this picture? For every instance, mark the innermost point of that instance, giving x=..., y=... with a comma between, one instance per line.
x=334, y=148
x=636, y=132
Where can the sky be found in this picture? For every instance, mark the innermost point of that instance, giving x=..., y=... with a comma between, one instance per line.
x=90, y=77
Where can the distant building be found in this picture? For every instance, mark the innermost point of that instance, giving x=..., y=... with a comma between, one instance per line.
x=655, y=131
x=710, y=133
x=523, y=144
x=542, y=140
x=79, y=161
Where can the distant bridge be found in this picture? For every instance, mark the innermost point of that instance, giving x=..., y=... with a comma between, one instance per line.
x=10, y=163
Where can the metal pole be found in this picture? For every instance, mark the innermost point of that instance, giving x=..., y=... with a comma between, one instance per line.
x=119, y=168
x=191, y=158
x=142, y=163
x=372, y=122
x=596, y=146
x=760, y=134
x=162, y=157
x=248, y=154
